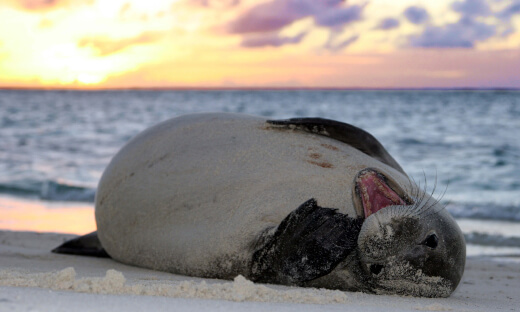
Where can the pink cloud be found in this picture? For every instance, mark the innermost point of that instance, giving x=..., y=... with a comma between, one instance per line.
x=38, y=4
x=270, y=39
x=45, y=5
x=215, y=3
x=277, y=14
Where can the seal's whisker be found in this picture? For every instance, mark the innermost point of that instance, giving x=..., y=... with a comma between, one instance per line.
x=435, y=201
x=425, y=190
x=430, y=198
x=444, y=192
x=415, y=191
x=435, y=211
x=420, y=196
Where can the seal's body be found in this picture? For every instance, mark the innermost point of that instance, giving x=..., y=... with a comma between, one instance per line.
x=217, y=195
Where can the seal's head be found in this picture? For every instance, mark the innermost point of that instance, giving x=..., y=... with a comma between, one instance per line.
x=408, y=244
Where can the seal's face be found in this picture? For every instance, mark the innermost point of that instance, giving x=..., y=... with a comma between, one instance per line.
x=408, y=244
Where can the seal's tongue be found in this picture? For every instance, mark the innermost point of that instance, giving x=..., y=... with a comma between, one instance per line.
x=375, y=193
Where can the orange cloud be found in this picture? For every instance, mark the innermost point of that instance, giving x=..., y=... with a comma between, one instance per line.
x=125, y=9
x=104, y=46
x=128, y=13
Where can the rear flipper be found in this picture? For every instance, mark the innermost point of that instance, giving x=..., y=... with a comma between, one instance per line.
x=86, y=245
x=309, y=243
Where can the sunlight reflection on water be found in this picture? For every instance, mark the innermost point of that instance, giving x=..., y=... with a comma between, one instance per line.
x=41, y=216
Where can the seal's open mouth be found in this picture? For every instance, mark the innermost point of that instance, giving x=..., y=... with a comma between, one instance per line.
x=375, y=193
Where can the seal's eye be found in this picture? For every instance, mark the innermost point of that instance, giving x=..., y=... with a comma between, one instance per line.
x=431, y=241
x=376, y=269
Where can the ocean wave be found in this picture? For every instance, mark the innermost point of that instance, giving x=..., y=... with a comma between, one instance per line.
x=49, y=190
x=485, y=239
x=60, y=191
x=485, y=212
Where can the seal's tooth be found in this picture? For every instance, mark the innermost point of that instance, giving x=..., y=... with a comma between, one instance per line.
x=366, y=201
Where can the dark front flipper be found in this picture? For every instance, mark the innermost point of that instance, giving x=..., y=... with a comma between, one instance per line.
x=86, y=245
x=310, y=242
x=353, y=136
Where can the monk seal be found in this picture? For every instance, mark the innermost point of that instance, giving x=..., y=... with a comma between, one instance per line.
x=307, y=201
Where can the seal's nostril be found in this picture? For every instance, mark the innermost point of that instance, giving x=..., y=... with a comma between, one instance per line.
x=376, y=269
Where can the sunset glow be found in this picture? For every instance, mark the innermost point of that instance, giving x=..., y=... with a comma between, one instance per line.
x=260, y=43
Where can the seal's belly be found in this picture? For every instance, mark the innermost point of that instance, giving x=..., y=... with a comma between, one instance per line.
x=191, y=195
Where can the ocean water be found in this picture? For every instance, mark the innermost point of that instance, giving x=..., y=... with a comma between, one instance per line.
x=463, y=146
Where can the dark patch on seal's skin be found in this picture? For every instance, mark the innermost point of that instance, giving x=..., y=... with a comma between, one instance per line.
x=322, y=164
x=309, y=243
x=331, y=147
x=343, y=132
x=315, y=155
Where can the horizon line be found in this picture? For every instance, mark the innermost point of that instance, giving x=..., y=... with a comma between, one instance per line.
x=256, y=88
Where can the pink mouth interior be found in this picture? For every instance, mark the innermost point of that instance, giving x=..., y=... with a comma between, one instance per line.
x=376, y=194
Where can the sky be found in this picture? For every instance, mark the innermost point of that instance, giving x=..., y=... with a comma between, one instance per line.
x=92, y=44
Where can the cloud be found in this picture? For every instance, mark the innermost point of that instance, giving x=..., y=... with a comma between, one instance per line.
x=125, y=9
x=416, y=15
x=339, y=17
x=277, y=14
x=335, y=47
x=505, y=15
x=264, y=18
x=262, y=24
x=105, y=46
x=127, y=13
x=45, y=5
x=271, y=39
x=508, y=12
x=388, y=23
x=462, y=34
x=472, y=8
x=215, y=3
x=38, y=4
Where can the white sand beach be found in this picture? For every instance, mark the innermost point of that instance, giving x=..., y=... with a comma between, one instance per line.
x=34, y=279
